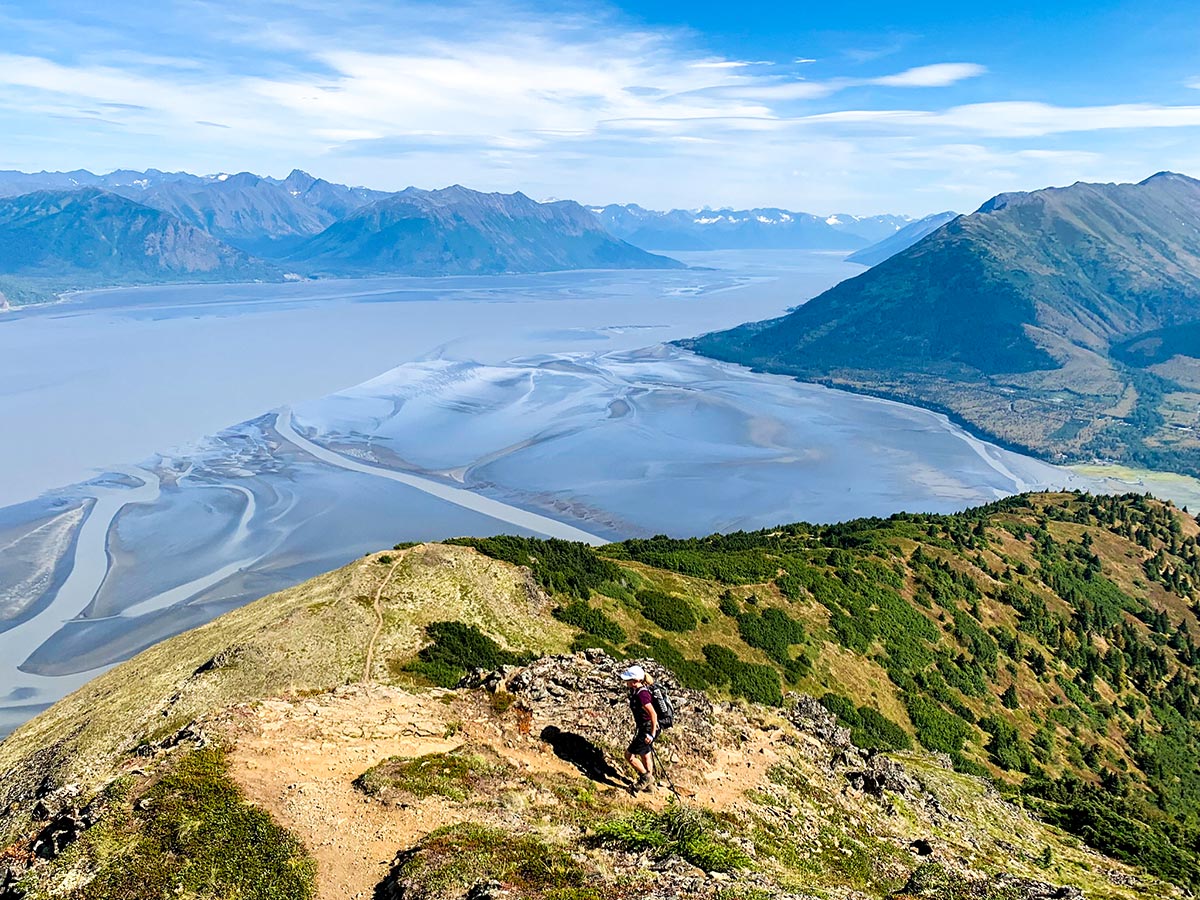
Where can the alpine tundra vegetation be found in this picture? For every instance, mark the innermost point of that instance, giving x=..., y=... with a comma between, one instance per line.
x=997, y=703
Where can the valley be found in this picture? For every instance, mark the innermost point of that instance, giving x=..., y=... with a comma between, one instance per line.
x=537, y=404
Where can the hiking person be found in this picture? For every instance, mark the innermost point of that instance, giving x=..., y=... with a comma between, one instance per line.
x=641, y=748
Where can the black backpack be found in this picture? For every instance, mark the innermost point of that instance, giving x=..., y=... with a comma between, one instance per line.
x=662, y=705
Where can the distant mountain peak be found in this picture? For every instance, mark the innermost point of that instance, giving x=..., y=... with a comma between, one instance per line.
x=455, y=230
x=1168, y=177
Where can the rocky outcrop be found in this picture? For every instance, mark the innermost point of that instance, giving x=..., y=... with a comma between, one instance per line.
x=936, y=881
x=582, y=696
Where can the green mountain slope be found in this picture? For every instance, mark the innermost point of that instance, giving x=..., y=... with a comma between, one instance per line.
x=1043, y=642
x=88, y=237
x=1012, y=319
x=456, y=231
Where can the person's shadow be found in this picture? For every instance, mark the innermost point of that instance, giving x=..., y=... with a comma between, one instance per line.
x=583, y=755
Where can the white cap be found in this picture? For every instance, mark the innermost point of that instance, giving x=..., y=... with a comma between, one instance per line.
x=633, y=673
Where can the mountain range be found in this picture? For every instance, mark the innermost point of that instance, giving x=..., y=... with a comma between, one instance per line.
x=747, y=229
x=459, y=231
x=66, y=230
x=89, y=235
x=259, y=215
x=1001, y=704
x=1061, y=321
x=901, y=240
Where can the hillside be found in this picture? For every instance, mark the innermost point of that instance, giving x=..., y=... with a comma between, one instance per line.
x=456, y=231
x=1043, y=643
x=746, y=229
x=92, y=237
x=263, y=216
x=1022, y=321
x=243, y=210
x=901, y=240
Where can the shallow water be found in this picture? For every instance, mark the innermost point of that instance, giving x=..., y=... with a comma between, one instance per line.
x=110, y=376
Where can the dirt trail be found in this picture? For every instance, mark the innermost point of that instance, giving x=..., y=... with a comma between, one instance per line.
x=298, y=759
x=376, y=605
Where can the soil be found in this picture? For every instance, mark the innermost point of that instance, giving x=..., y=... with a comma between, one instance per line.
x=298, y=759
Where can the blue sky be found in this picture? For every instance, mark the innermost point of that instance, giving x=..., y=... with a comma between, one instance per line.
x=860, y=108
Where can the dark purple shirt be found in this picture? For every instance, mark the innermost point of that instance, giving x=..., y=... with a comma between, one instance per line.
x=638, y=700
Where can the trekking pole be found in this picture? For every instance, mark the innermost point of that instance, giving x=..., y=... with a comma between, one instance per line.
x=658, y=764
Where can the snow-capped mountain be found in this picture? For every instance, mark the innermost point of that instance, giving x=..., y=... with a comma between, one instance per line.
x=745, y=229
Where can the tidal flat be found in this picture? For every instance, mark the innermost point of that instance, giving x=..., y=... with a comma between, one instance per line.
x=550, y=405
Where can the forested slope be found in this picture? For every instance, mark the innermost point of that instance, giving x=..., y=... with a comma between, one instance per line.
x=1046, y=641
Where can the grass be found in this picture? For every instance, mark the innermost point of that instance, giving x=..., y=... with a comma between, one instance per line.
x=451, y=860
x=455, y=775
x=679, y=830
x=190, y=834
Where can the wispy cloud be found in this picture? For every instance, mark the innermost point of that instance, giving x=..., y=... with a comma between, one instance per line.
x=500, y=96
x=936, y=75
x=1017, y=119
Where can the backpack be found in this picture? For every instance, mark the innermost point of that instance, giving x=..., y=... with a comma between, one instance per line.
x=662, y=705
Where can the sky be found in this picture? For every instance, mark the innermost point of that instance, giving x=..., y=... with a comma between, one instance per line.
x=859, y=108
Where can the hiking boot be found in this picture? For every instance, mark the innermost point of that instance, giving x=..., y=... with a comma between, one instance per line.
x=644, y=783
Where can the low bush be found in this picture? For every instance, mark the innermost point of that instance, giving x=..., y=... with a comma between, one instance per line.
x=590, y=621
x=773, y=631
x=562, y=567
x=453, y=775
x=1006, y=747
x=869, y=728
x=193, y=834
x=678, y=830
x=667, y=611
x=452, y=860
x=936, y=728
x=456, y=649
x=758, y=684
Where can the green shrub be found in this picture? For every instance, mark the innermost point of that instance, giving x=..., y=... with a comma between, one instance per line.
x=678, y=830
x=562, y=567
x=1009, y=698
x=451, y=860
x=869, y=728
x=667, y=611
x=728, y=606
x=879, y=732
x=936, y=729
x=843, y=708
x=721, y=659
x=456, y=649
x=968, y=766
x=773, y=631
x=758, y=684
x=453, y=775
x=194, y=834
x=691, y=674
x=590, y=621
x=1006, y=747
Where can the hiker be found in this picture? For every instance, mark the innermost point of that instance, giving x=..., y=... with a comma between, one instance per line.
x=646, y=716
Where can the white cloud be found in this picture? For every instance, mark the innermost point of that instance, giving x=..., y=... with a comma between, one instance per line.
x=1193, y=83
x=937, y=75
x=572, y=106
x=730, y=63
x=1016, y=119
